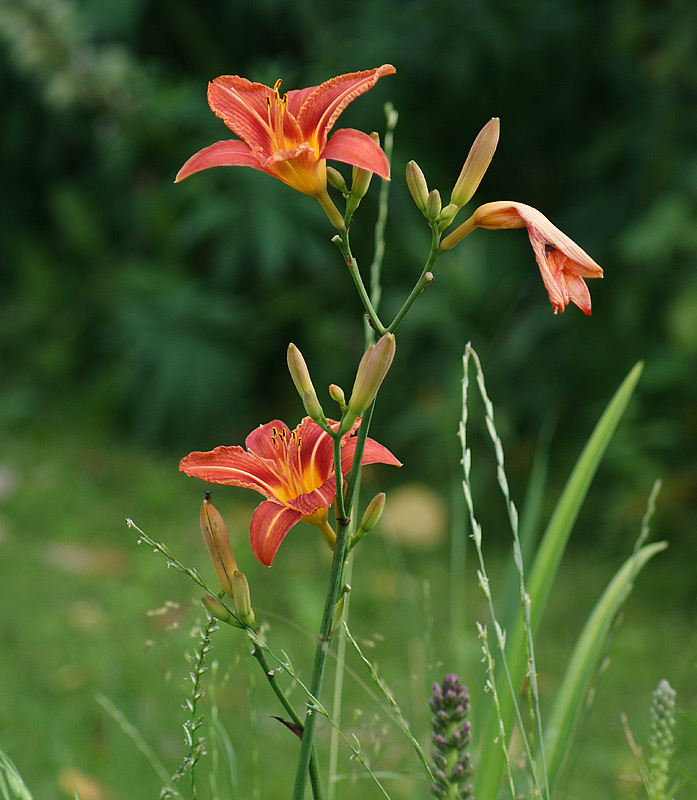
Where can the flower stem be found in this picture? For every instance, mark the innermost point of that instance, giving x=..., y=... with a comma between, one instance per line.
x=425, y=278
x=322, y=650
x=312, y=767
x=342, y=242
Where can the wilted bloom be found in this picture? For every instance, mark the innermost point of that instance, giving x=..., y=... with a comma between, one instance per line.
x=285, y=135
x=293, y=470
x=563, y=264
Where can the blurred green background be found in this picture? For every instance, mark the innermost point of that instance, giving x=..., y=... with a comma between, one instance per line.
x=141, y=320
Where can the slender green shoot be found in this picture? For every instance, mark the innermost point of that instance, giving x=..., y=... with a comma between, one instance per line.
x=135, y=736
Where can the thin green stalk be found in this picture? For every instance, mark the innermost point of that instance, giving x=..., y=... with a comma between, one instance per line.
x=322, y=649
x=425, y=278
x=343, y=243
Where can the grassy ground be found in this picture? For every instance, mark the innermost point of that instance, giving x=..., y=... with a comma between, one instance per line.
x=85, y=612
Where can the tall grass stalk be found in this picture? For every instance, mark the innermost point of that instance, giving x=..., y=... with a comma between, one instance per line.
x=539, y=782
x=541, y=577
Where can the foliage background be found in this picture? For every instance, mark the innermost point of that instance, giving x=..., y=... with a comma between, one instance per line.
x=154, y=317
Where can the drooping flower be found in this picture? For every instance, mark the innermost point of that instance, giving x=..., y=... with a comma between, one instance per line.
x=287, y=135
x=293, y=470
x=563, y=264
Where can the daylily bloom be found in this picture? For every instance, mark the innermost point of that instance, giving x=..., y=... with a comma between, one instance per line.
x=286, y=135
x=293, y=470
x=563, y=264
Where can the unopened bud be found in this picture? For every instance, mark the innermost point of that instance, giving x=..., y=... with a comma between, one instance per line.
x=371, y=517
x=433, y=205
x=360, y=182
x=336, y=179
x=216, y=609
x=416, y=181
x=303, y=383
x=337, y=395
x=217, y=540
x=447, y=215
x=241, y=599
x=477, y=163
x=372, y=369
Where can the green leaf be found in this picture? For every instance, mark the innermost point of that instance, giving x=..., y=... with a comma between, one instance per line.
x=569, y=702
x=541, y=578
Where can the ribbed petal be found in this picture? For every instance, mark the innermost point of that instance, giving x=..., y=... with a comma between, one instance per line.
x=268, y=528
x=322, y=107
x=260, y=440
x=322, y=497
x=578, y=293
x=539, y=227
x=228, y=153
x=244, y=108
x=373, y=453
x=233, y=466
x=316, y=450
x=355, y=147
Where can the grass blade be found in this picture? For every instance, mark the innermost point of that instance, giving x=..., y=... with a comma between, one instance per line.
x=570, y=698
x=541, y=577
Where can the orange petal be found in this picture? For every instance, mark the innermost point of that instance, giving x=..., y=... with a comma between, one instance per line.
x=245, y=108
x=233, y=466
x=322, y=107
x=268, y=528
x=228, y=153
x=357, y=148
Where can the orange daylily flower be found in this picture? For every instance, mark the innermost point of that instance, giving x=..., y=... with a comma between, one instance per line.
x=563, y=264
x=286, y=135
x=293, y=470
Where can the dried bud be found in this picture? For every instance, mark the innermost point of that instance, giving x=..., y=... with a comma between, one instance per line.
x=416, y=181
x=374, y=365
x=217, y=541
x=477, y=163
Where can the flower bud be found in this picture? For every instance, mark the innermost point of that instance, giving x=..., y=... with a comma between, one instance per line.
x=433, y=205
x=447, y=215
x=303, y=383
x=217, y=541
x=477, y=163
x=371, y=517
x=216, y=609
x=374, y=365
x=337, y=395
x=416, y=181
x=336, y=179
x=360, y=181
x=241, y=599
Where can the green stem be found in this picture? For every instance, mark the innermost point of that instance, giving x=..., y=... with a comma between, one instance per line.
x=425, y=278
x=322, y=649
x=342, y=241
x=270, y=675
